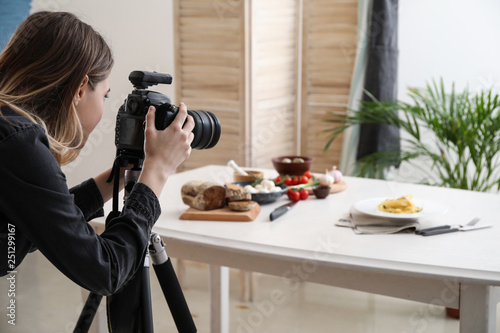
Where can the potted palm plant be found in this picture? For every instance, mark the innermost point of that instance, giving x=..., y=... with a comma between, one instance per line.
x=456, y=134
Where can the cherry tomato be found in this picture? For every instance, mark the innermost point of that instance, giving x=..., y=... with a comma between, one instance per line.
x=278, y=179
x=288, y=181
x=308, y=174
x=303, y=180
x=295, y=181
x=293, y=195
x=304, y=194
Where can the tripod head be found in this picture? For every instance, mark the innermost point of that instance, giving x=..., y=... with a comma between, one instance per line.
x=123, y=160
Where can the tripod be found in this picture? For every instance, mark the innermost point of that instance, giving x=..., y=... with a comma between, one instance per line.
x=162, y=265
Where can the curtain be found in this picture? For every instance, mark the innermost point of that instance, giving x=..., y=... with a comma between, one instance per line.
x=351, y=135
x=381, y=76
x=375, y=70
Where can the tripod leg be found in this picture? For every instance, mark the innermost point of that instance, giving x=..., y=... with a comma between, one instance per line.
x=170, y=286
x=146, y=308
x=174, y=296
x=88, y=313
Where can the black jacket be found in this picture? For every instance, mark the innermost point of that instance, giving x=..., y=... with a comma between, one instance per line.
x=38, y=210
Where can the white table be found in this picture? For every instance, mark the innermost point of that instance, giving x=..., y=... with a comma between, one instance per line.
x=456, y=270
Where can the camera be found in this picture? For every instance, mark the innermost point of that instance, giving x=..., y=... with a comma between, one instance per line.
x=130, y=120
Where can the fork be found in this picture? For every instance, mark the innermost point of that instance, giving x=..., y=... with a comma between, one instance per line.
x=445, y=227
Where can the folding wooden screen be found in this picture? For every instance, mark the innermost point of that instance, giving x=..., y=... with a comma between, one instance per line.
x=329, y=50
x=269, y=70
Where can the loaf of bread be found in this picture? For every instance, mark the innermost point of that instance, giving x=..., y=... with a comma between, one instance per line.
x=203, y=195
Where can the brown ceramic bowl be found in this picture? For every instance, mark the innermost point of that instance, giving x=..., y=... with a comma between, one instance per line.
x=293, y=168
x=321, y=191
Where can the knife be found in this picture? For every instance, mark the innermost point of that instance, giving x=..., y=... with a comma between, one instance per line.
x=438, y=231
x=470, y=224
x=281, y=210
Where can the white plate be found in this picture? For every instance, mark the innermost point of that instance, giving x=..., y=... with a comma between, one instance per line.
x=429, y=208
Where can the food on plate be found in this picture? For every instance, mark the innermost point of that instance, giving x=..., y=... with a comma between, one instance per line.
x=265, y=186
x=237, y=193
x=241, y=206
x=203, y=195
x=401, y=205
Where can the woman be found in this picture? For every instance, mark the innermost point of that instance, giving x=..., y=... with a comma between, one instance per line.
x=54, y=77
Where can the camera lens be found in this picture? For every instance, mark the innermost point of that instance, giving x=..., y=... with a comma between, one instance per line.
x=206, y=130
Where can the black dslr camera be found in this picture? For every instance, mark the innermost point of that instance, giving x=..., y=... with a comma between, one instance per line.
x=131, y=116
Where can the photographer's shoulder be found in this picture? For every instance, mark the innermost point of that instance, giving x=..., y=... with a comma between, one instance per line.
x=12, y=122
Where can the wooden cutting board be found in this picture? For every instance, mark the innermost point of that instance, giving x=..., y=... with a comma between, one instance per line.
x=221, y=214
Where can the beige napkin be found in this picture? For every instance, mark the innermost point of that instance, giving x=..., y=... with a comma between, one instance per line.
x=363, y=223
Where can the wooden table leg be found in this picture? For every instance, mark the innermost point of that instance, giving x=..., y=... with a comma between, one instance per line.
x=478, y=308
x=219, y=299
x=247, y=286
x=181, y=272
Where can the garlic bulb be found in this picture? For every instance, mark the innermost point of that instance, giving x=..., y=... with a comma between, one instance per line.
x=326, y=179
x=336, y=174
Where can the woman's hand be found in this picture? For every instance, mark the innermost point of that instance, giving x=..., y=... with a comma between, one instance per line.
x=165, y=150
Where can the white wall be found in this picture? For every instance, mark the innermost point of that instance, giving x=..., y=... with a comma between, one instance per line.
x=451, y=39
x=140, y=34
x=456, y=40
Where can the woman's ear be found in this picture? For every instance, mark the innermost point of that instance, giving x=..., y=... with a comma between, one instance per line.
x=81, y=90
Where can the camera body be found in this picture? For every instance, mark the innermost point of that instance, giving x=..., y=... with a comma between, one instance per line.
x=131, y=117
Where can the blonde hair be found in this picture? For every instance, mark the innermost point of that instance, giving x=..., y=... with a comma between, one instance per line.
x=41, y=69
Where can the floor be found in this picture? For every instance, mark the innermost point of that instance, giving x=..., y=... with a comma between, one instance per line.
x=46, y=301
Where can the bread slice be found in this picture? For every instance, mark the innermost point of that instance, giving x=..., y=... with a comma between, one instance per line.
x=241, y=206
x=237, y=193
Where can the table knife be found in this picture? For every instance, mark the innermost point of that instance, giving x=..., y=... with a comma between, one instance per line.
x=281, y=210
x=447, y=230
